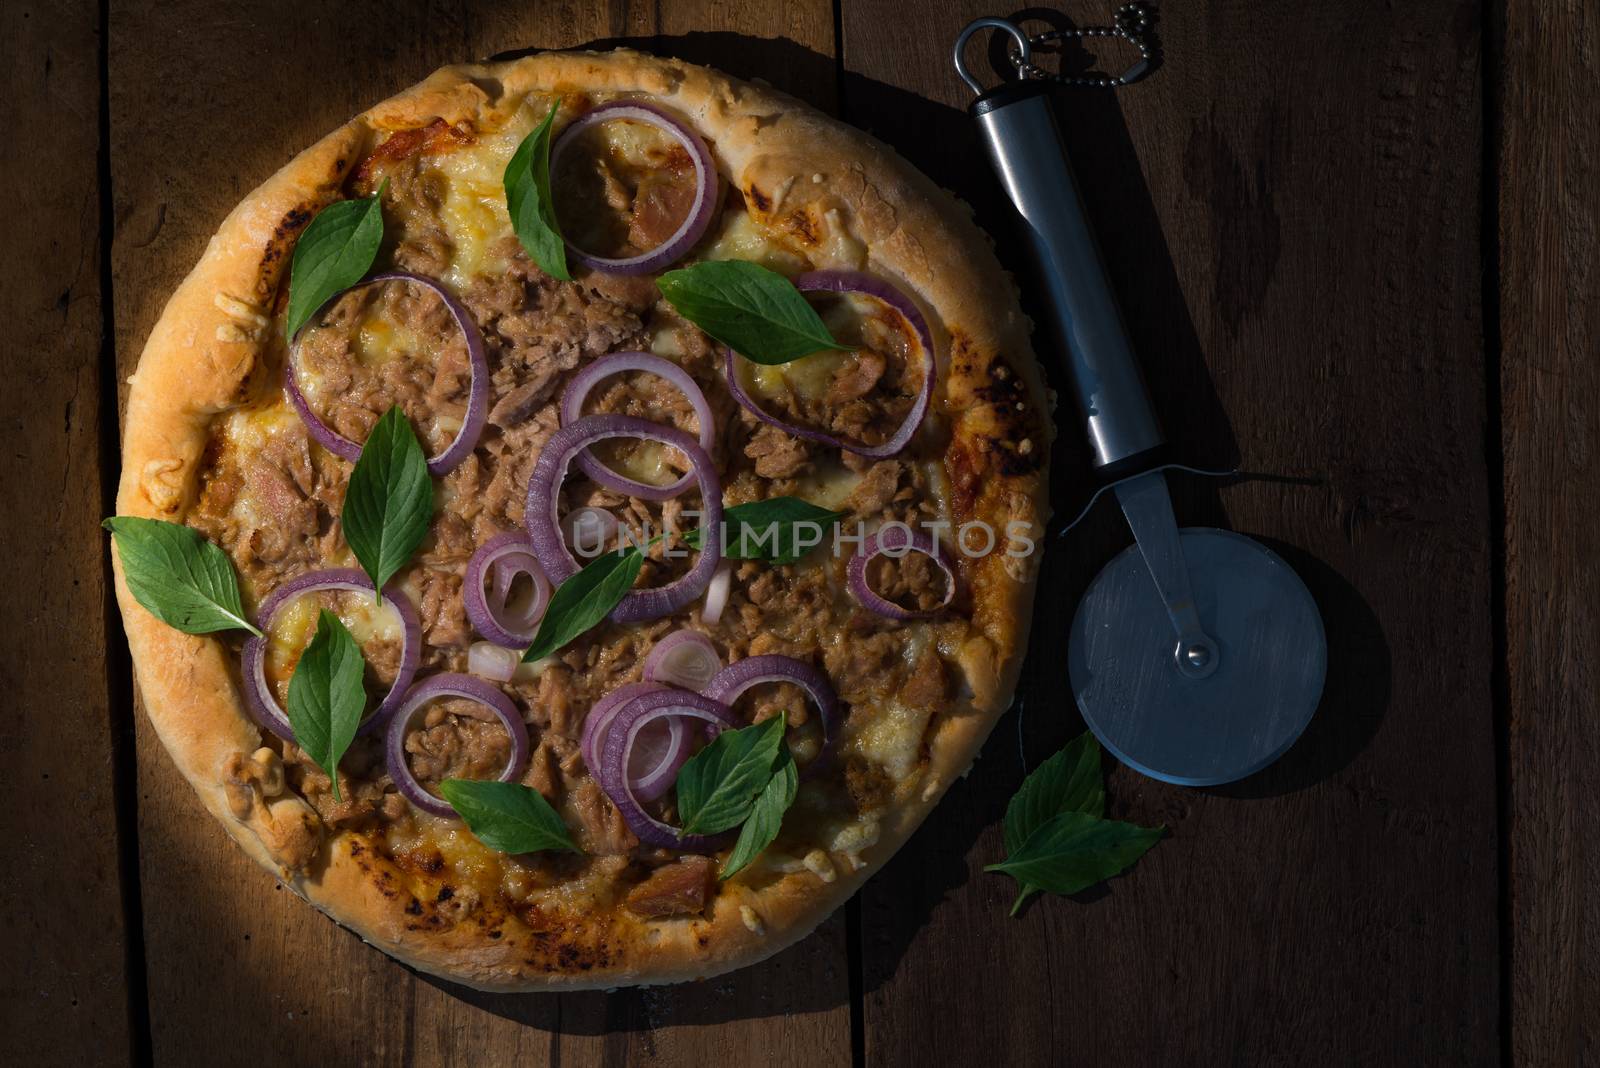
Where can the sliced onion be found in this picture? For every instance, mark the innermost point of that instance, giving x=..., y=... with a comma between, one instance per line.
x=736, y=678
x=450, y=685
x=493, y=662
x=545, y=485
x=584, y=381
x=871, y=286
x=717, y=594
x=897, y=539
x=264, y=707
x=705, y=181
x=466, y=438
x=589, y=530
x=497, y=563
x=633, y=719
x=598, y=721
x=683, y=658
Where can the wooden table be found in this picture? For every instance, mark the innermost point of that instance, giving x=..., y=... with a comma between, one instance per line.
x=1356, y=243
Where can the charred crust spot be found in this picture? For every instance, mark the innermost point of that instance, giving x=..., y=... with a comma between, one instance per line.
x=759, y=200
x=497, y=934
x=356, y=848
x=445, y=893
x=414, y=907
x=800, y=225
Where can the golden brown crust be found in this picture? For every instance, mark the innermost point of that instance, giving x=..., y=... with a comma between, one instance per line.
x=831, y=189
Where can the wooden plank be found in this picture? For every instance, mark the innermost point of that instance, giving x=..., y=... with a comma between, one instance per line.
x=1549, y=218
x=281, y=980
x=1290, y=211
x=65, y=987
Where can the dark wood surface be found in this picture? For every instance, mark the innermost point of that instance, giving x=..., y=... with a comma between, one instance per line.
x=1355, y=244
x=1547, y=96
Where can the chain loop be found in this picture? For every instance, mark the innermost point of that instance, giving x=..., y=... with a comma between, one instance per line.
x=1131, y=23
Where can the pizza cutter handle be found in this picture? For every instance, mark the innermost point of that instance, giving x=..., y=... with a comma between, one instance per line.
x=1024, y=143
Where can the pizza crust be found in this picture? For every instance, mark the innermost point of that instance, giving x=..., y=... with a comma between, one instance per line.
x=800, y=172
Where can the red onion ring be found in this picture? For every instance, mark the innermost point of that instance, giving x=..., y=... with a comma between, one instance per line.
x=655, y=774
x=683, y=658
x=493, y=662
x=264, y=708
x=466, y=438
x=450, y=685
x=717, y=594
x=584, y=381
x=545, y=485
x=896, y=539
x=700, y=212
x=628, y=723
x=736, y=678
x=871, y=286
x=499, y=561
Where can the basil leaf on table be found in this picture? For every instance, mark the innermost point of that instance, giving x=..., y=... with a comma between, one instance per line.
x=766, y=817
x=508, y=816
x=1074, y=850
x=178, y=576
x=1070, y=781
x=756, y=312
x=584, y=600
x=333, y=254
x=326, y=695
x=533, y=213
x=771, y=530
x=389, y=501
x=1056, y=838
x=718, y=786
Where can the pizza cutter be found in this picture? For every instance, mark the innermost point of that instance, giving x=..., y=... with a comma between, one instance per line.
x=1197, y=656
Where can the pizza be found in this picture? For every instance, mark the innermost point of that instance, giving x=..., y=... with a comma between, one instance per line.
x=624, y=479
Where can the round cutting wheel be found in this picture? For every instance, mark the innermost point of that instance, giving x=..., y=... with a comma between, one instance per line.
x=1199, y=728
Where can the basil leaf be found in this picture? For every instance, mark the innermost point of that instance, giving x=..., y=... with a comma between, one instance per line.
x=778, y=530
x=754, y=311
x=1068, y=782
x=333, y=254
x=178, y=576
x=533, y=212
x=326, y=695
x=766, y=817
x=508, y=816
x=717, y=787
x=1074, y=850
x=583, y=600
x=389, y=501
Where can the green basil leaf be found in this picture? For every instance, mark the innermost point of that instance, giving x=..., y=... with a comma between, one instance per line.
x=717, y=787
x=766, y=817
x=389, y=501
x=754, y=311
x=180, y=577
x=508, y=816
x=1074, y=850
x=1070, y=781
x=333, y=254
x=779, y=530
x=533, y=212
x=326, y=695
x=584, y=600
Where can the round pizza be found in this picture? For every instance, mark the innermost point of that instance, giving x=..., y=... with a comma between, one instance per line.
x=579, y=517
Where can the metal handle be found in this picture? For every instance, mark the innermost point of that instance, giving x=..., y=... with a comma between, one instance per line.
x=1025, y=146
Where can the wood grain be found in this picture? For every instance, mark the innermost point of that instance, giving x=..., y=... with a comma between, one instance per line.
x=64, y=992
x=1549, y=84
x=236, y=962
x=1290, y=212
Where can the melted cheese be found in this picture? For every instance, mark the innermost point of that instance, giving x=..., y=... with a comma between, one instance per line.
x=739, y=237
x=473, y=206
x=366, y=618
x=828, y=484
x=809, y=376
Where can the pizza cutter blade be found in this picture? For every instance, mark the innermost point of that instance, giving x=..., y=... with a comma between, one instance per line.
x=1197, y=656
